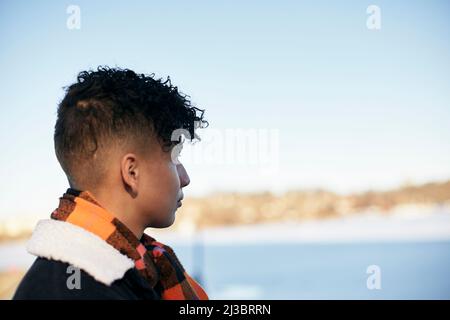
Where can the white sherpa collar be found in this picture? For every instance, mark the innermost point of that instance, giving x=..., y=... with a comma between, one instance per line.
x=66, y=242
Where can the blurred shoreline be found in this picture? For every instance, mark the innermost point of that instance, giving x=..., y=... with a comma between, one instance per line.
x=231, y=209
x=242, y=209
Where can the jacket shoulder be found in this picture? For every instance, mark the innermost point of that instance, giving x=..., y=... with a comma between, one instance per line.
x=51, y=279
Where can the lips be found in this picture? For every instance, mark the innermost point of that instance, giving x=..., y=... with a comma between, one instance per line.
x=179, y=201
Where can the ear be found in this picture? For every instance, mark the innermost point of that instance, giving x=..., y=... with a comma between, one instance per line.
x=130, y=173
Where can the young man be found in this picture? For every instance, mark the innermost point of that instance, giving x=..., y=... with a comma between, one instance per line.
x=114, y=138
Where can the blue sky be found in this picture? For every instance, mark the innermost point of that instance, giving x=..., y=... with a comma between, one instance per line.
x=354, y=108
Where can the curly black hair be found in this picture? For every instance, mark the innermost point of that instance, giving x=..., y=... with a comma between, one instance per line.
x=112, y=103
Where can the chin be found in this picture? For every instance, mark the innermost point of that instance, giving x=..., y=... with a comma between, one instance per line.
x=166, y=223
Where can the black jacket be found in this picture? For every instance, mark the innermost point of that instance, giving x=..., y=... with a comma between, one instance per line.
x=73, y=263
x=47, y=279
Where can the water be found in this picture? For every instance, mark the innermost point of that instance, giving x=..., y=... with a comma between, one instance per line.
x=409, y=270
x=314, y=260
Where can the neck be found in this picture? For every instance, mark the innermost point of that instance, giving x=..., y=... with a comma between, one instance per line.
x=114, y=204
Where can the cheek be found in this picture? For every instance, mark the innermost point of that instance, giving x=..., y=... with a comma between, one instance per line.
x=171, y=179
x=161, y=187
x=159, y=201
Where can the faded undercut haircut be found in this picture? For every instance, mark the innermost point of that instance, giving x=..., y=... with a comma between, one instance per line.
x=108, y=107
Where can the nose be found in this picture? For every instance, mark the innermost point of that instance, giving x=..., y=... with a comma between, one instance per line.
x=182, y=174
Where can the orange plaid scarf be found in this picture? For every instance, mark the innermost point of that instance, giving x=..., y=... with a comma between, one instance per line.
x=156, y=262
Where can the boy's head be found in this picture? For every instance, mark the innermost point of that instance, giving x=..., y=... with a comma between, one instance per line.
x=113, y=137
